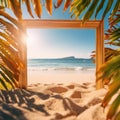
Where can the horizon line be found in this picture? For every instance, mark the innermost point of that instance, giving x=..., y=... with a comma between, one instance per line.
x=60, y=57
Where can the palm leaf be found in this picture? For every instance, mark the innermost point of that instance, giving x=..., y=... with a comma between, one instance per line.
x=8, y=39
x=59, y=2
x=15, y=5
x=93, y=8
x=74, y=5
x=14, y=21
x=27, y=3
x=49, y=6
x=67, y=4
x=2, y=7
x=38, y=8
x=99, y=7
x=80, y=7
x=113, y=108
x=13, y=77
x=110, y=2
x=112, y=63
x=90, y=11
x=3, y=84
x=14, y=39
x=117, y=6
x=115, y=21
x=116, y=43
x=110, y=53
x=111, y=71
x=113, y=88
x=9, y=63
x=8, y=46
x=7, y=49
x=10, y=27
x=117, y=117
x=115, y=35
x=7, y=79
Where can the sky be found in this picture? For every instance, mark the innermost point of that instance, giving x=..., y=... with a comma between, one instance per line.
x=57, y=43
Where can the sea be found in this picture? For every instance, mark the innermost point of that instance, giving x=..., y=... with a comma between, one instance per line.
x=58, y=64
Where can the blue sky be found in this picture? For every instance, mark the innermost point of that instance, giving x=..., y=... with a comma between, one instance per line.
x=56, y=43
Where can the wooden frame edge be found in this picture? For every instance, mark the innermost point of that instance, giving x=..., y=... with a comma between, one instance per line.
x=98, y=25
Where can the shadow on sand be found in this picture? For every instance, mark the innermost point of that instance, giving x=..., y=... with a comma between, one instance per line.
x=14, y=104
x=23, y=100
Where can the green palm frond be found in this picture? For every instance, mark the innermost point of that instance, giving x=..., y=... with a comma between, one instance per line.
x=108, y=7
x=111, y=71
x=114, y=107
x=116, y=8
x=90, y=11
x=92, y=8
x=80, y=7
x=101, y=5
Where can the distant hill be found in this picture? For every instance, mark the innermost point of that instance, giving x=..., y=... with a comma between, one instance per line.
x=70, y=57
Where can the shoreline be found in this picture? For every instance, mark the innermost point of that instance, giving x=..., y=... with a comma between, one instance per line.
x=60, y=76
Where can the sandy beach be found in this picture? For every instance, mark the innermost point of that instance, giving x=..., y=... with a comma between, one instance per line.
x=60, y=76
x=50, y=96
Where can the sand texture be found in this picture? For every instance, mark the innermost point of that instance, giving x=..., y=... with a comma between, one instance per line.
x=54, y=101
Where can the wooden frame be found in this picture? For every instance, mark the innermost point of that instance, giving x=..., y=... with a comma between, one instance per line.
x=98, y=25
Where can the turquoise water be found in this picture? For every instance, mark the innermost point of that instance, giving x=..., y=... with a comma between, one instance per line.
x=61, y=64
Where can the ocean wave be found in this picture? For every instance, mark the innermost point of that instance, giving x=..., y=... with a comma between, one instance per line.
x=61, y=69
x=70, y=69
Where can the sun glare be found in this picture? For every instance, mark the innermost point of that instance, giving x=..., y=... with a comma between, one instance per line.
x=29, y=41
x=36, y=44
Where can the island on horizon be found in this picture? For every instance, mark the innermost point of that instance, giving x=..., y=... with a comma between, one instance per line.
x=67, y=57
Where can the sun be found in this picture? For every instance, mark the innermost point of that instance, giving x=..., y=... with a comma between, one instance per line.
x=30, y=39
x=36, y=44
